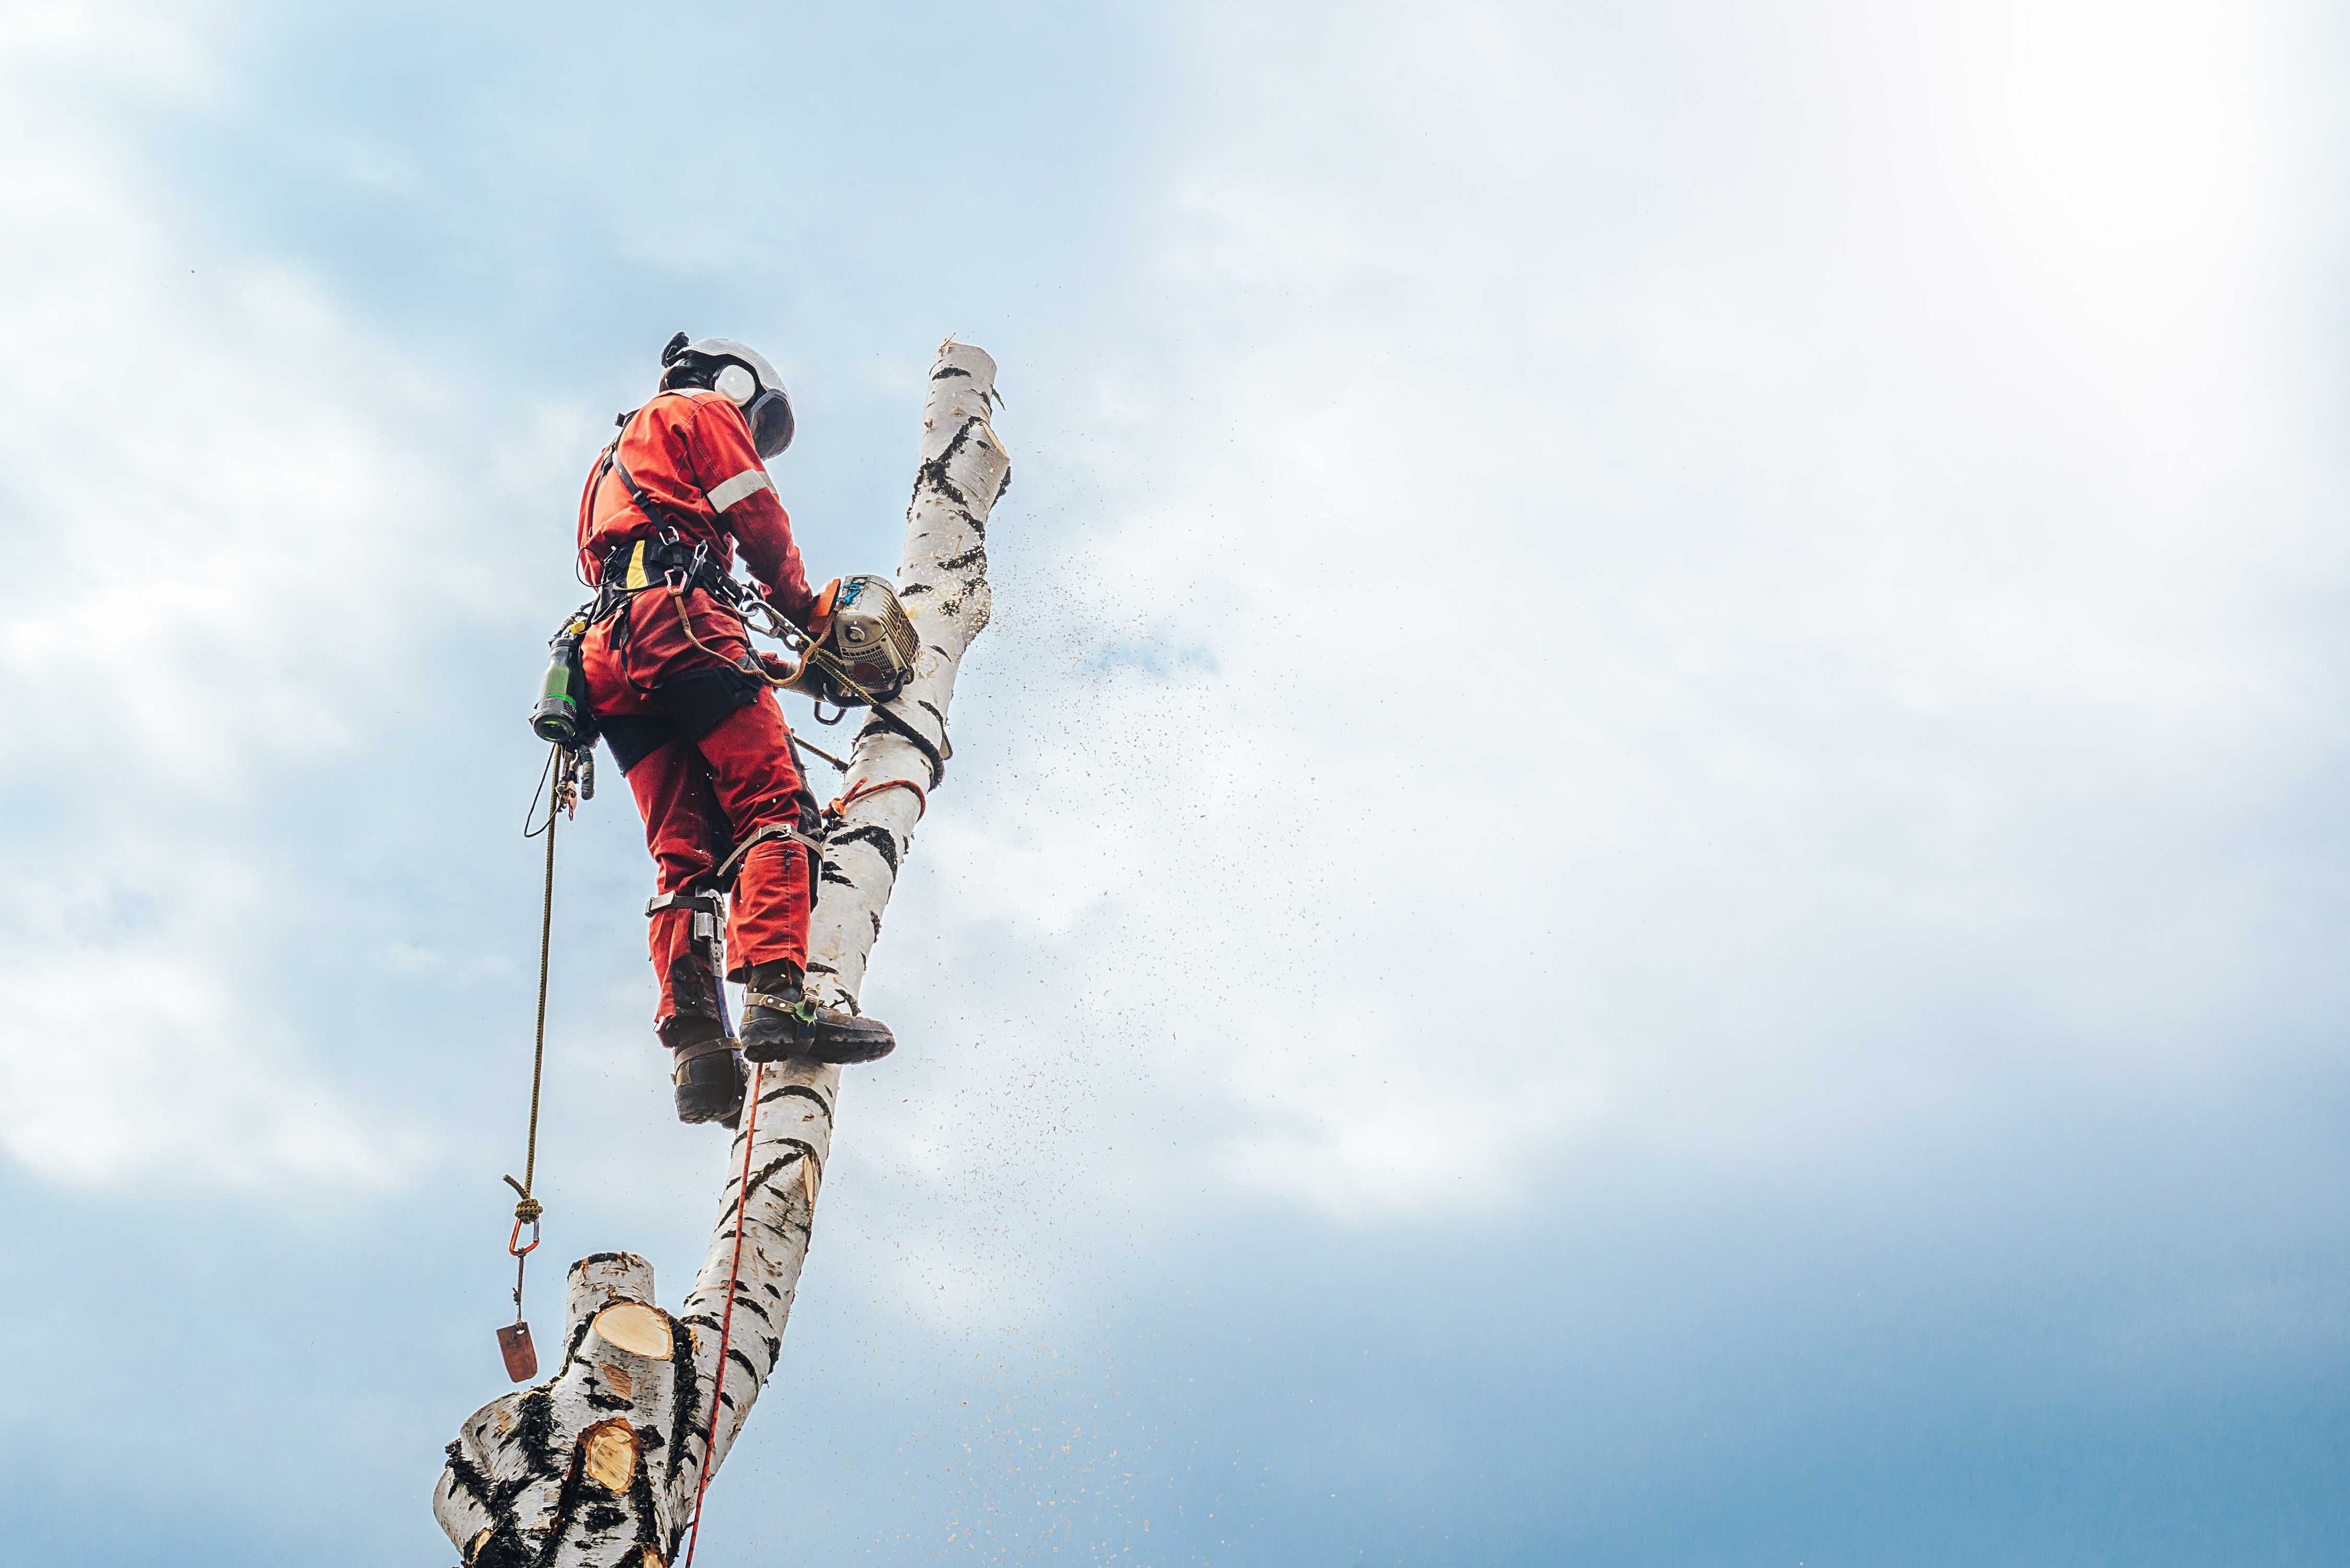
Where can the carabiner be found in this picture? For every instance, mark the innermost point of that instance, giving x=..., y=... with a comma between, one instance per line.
x=526, y=1212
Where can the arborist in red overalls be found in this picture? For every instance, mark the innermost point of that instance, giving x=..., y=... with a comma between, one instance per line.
x=689, y=713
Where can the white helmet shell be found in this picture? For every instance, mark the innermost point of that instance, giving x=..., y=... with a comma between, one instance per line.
x=751, y=384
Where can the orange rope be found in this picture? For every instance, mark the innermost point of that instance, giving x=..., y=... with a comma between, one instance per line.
x=726, y=1321
x=685, y=619
x=865, y=787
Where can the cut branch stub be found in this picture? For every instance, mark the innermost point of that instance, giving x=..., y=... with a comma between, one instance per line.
x=564, y=1471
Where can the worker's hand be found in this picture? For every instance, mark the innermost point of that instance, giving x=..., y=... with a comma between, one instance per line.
x=781, y=671
x=821, y=617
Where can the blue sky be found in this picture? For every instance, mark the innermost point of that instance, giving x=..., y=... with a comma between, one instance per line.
x=1647, y=866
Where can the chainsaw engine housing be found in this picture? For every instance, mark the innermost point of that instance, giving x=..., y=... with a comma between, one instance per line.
x=867, y=652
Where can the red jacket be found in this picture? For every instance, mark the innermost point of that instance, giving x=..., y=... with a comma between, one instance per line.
x=689, y=450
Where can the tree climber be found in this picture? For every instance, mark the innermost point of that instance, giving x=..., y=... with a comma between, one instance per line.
x=686, y=708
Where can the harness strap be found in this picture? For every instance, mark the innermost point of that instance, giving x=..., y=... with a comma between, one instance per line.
x=724, y=875
x=701, y=1048
x=800, y=1007
x=699, y=903
x=640, y=564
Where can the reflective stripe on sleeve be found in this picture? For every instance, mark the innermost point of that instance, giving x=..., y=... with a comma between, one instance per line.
x=743, y=483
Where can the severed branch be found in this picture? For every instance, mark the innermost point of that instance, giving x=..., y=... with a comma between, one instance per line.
x=598, y=1466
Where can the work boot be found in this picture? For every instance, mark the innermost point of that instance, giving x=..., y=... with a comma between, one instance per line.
x=781, y=1024
x=710, y=1080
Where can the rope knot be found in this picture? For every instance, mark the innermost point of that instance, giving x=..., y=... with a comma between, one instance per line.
x=527, y=1211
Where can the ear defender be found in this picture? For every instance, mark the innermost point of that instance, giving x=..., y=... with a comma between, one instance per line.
x=671, y=351
x=737, y=384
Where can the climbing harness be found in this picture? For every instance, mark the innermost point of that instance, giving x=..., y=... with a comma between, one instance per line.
x=726, y=1319
x=573, y=776
x=864, y=656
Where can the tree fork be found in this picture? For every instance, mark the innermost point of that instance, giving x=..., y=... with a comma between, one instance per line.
x=596, y=1466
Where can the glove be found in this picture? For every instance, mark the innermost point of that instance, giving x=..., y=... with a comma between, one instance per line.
x=820, y=618
x=779, y=670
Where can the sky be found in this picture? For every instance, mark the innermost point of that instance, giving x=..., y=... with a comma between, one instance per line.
x=1648, y=865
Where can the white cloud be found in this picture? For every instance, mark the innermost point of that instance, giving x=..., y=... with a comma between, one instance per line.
x=1537, y=680
x=224, y=532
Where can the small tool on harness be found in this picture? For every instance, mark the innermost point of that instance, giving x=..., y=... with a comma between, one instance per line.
x=837, y=765
x=572, y=775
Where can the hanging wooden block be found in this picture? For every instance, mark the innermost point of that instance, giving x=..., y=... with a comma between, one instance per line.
x=522, y=1359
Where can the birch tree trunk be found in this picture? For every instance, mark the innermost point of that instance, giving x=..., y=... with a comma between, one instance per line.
x=598, y=1466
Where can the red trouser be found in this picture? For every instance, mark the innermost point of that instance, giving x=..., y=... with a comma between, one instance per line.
x=702, y=786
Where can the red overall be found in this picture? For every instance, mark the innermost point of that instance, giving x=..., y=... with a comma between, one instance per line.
x=706, y=750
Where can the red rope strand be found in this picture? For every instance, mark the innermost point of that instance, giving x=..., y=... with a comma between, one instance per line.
x=726, y=1319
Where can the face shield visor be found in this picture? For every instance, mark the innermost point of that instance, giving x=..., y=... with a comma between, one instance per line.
x=770, y=414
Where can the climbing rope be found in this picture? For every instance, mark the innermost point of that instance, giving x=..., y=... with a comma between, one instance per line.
x=726, y=1319
x=528, y=1208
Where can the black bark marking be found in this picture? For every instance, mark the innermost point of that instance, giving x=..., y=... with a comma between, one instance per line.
x=504, y=1547
x=797, y=1091
x=640, y=1490
x=687, y=1395
x=759, y=1180
x=933, y=473
x=534, y=1433
x=957, y=563
x=571, y=1349
x=883, y=842
x=884, y=722
x=566, y=1499
x=464, y=1476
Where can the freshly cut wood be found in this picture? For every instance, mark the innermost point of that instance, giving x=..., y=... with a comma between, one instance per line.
x=633, y=1326
x=599, y=1465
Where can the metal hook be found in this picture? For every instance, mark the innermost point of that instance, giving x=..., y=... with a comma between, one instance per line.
x=526, y=1212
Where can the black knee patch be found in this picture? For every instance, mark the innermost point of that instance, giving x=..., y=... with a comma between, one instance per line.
x=637, y=737
x=698, y=700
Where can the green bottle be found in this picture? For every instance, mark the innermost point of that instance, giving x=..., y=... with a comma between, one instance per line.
x=563, y=695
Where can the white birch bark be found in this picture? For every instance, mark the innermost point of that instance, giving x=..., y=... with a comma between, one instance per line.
x=598, y=1467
